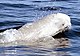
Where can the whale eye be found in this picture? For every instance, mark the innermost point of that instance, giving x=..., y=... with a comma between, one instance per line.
x=62, y=24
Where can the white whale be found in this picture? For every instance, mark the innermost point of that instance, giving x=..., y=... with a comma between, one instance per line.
x=46, y=27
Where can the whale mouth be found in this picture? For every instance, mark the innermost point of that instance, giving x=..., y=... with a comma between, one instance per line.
x=62, y=30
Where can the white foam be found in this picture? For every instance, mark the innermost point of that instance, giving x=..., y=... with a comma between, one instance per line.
x=46, y=27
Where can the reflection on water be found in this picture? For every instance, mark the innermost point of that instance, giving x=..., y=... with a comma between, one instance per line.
x=42, y=48
x=15, y=13
x=33, y=52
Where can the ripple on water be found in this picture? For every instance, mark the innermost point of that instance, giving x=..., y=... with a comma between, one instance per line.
x=16, y=14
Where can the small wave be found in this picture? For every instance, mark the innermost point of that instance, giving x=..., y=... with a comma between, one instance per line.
x=4, y=25
x=48, y=8
x=60, y=0
x=53, y=8
x=76, y=28
x=40, y=1
x=16, y=5
x=8, y=35
x=48, y=1
x=6, y=15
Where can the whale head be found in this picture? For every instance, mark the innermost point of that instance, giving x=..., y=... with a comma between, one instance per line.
x=65, y=20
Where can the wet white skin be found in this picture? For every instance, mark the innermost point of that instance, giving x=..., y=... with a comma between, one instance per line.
x=46, y=27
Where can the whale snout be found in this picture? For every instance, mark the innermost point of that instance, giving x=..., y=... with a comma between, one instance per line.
x=65, y=19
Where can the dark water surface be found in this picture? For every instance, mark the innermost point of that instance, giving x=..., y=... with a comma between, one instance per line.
x=15, y=13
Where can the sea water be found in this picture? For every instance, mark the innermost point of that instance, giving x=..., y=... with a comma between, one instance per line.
x=15, y=13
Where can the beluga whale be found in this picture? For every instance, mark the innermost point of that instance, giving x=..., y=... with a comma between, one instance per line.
x=44, y=28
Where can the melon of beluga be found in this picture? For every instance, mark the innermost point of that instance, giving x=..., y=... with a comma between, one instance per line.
x=47, y=27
